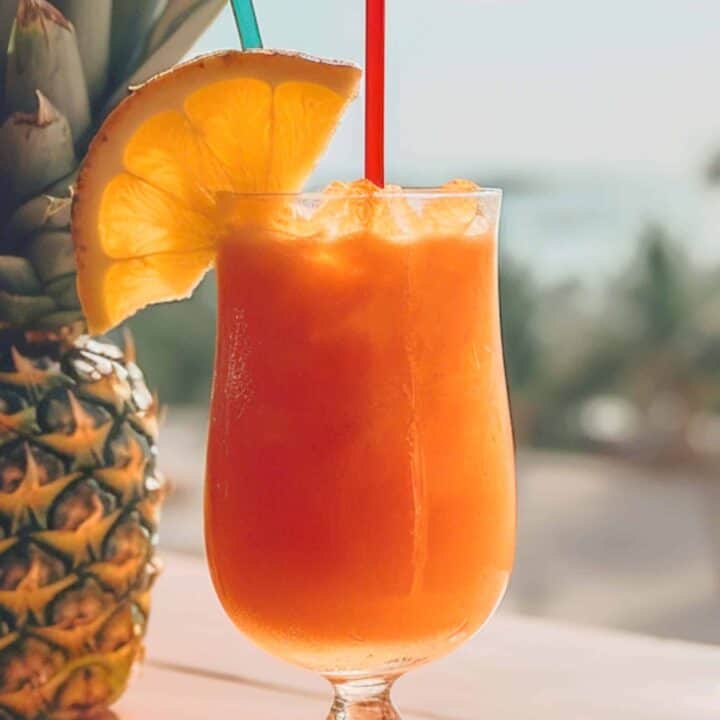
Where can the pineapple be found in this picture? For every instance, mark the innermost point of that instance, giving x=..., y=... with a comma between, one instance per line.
x=79, y=490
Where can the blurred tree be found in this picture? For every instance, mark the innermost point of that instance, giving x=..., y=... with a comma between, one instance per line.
x=705, y=341
x=656, y=343
x=712, y=172
x=519, y=304
x=659, y=375
x=658, y=290
x=177, y=343
x=519, y=300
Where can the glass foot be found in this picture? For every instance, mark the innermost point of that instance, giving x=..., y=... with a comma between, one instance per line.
x=367, y=699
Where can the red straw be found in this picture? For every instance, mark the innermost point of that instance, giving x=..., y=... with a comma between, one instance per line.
x=375, y=91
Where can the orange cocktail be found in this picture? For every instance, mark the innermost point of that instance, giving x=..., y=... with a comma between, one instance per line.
x=360, y=503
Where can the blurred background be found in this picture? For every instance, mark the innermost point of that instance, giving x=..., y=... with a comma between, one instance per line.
x=602, y=124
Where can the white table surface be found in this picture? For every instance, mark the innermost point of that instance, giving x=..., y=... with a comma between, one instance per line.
x=199, y=667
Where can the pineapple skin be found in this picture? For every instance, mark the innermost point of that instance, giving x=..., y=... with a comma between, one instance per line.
x=80, y=499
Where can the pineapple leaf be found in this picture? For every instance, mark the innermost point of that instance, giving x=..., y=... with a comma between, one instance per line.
x=59, y=319
x=91, y=19
x=62, y=188
x=51, y=254
x=42, y=212
x=17, y=276
x=176, y=36
x=63, y=291
x=176, y=13
x=132, y=21
x=8, y=8
x=44, y=56
x=22, y=310
x=36, y=148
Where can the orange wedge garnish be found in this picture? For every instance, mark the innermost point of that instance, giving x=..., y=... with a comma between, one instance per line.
x=145, y=218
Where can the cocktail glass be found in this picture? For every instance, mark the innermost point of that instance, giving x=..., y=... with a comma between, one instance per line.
x=360, y=497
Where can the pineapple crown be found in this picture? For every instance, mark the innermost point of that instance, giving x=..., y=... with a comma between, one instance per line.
x=63, y=66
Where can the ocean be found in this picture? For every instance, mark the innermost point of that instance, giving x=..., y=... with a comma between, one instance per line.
x=590, y=230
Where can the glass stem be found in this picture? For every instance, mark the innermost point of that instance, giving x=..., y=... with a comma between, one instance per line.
x=366, y=699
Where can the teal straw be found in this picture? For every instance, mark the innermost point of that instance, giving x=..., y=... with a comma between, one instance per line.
x=247, y=24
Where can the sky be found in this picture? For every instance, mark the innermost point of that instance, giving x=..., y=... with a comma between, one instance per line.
x=480, y=88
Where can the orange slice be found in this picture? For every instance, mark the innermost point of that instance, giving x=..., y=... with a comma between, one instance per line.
x=145, y=218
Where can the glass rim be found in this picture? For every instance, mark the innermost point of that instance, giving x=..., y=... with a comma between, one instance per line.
x=411, y=193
